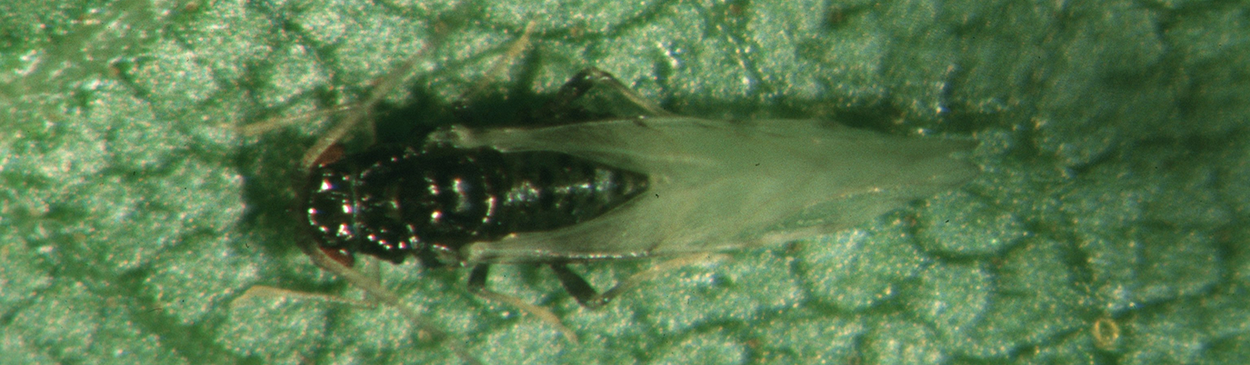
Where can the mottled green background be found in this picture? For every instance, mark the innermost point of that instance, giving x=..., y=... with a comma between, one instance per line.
x=1113, y=140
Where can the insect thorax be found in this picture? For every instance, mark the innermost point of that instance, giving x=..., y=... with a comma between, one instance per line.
x=393, y=201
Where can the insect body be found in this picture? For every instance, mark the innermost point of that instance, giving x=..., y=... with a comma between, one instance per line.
x=396, y=201
x=616, y=177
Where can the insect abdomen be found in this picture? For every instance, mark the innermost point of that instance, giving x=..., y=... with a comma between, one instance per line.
x=394, y=201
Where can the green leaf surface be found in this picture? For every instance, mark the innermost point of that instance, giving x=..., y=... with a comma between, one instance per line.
x=1108, y=227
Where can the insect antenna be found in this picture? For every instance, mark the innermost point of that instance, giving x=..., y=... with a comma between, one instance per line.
x=265, y=291
x=267, y=125
x=387, y=83
x=518, y=46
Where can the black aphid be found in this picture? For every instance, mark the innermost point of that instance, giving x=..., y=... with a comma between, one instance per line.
x=615, y=177
x=610, y=176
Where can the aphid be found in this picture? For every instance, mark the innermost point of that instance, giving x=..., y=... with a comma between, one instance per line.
x=615, y=177
x=608, y=176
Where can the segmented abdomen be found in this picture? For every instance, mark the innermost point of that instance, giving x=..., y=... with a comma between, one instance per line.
x=395, y=201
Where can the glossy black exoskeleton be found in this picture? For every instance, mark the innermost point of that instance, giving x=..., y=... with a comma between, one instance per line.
x=395, y=201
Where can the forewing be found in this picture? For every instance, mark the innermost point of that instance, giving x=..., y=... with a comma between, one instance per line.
x=720, y=185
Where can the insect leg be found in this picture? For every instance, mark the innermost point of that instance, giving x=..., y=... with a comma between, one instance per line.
x=594, y=94
x=587, y=296
x=477, y=278
x=477, y=286
x=578, y=287
x=375, y=290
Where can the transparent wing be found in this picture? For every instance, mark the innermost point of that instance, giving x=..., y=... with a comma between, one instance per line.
x=720, y=185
